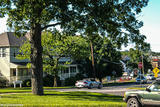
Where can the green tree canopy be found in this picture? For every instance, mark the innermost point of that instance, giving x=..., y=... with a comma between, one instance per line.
x=113, y=18
x=106, y=58
x=57, y=46
x=135, y=56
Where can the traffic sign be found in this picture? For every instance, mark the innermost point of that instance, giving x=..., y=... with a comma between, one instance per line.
x=156, y=70
x=155, y=75
x=140, y=65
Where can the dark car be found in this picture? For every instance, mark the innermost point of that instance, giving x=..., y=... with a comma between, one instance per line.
x=141, y=79
x=151, y=96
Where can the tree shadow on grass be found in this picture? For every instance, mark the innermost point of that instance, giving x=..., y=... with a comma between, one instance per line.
x=8, y=97
x=87, y=96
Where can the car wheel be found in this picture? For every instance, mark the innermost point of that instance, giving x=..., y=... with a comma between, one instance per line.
x=100, y=86
x=90, y=86
x=133, y=102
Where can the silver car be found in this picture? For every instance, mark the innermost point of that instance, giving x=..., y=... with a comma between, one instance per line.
x=88, y=83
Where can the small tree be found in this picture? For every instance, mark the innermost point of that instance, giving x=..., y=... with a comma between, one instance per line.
x=106, y=58
x=56, y=46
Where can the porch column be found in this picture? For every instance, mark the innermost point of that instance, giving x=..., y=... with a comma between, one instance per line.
x=16, y=74
x=76, y=69
x=69, y=72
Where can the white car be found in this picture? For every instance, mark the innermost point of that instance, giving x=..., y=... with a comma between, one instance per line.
x=88, y=83
x=150, y=77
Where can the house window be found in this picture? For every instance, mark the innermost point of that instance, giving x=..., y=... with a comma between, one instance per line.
x=73, y=69
x=13, y=72
x=16, y=52
x=65, y=70
x=3, y=52
x=23, y=72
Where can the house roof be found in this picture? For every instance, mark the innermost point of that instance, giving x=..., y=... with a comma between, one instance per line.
x=9, y=39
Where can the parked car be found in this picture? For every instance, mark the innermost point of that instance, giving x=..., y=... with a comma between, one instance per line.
x=141, y=79
x=88, y=83
x=150, y=96
x=150, y=77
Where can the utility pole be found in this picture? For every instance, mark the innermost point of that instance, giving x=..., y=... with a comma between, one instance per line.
x=94, y=71
x=142, y=63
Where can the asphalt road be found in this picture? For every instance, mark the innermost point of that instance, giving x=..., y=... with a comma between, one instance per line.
x=115, y=90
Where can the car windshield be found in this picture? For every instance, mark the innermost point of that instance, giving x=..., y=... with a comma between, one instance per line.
x=155, y=87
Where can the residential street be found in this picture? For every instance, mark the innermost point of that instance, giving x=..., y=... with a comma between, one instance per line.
x=115, y=90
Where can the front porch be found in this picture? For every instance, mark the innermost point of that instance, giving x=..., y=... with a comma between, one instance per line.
x=19, y=73
x=68, y=71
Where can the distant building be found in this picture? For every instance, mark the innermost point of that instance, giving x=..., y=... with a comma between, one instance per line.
x=155, y=61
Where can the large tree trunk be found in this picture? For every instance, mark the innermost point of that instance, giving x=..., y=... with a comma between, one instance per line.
x=36, y=60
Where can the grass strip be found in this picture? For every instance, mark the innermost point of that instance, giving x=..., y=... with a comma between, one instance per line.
x=63, y=99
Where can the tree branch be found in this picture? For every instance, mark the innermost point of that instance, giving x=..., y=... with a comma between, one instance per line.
x=55, y=24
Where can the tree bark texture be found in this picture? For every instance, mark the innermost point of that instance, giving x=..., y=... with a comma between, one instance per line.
x=55, y=81
x=92, y=55
x=56, y=73
x=36, y=60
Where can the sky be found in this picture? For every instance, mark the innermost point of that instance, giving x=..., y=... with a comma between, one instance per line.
x=151, y=19
x=150, y=16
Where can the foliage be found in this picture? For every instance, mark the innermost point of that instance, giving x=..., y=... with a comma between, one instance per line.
x=26, y=83
x=106, y=58
x=72, y=80
x=136, y=57
x=56, y=48
x=115, y=19
x=3, y=82
x=48, y=81
x=155, y=53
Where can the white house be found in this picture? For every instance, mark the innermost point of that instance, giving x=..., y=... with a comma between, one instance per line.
x=10, y=67
x=13, y=69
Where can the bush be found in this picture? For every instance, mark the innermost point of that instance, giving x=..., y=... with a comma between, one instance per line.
x=48, y=81
x=26, y=83
x=72, y=80
x=3, y=82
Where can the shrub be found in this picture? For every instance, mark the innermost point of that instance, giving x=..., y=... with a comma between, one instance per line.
x=26, y=83
x=72, y=80
x=48, y=81
x=3, y=82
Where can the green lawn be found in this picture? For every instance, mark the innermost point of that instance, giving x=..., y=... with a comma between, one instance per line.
x=15, y=90
x=62, y=99
x=26, y=89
